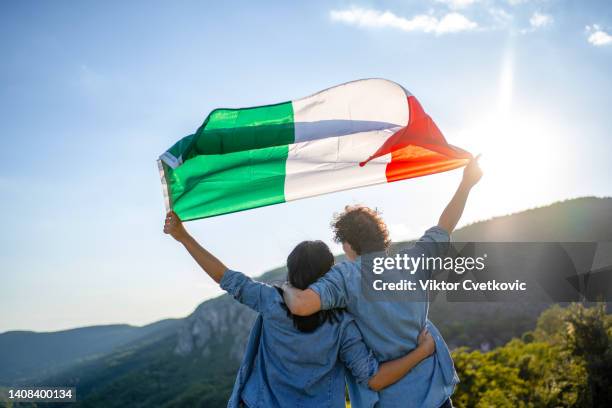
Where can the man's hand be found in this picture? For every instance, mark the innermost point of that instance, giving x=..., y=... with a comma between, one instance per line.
x=174, y=227
x=472, y=173
x=453, y=211
x=426, y=342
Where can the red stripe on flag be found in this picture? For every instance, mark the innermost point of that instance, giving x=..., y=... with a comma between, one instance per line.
x=416, y=161
x=419, y=148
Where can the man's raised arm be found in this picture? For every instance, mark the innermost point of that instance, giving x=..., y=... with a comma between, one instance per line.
x=301, y=302
x=453, y=211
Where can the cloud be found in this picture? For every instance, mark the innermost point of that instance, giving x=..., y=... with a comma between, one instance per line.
x=597, y=36
x=370, y=18
x=501, y=18
x=457, y=4
x=539, y=20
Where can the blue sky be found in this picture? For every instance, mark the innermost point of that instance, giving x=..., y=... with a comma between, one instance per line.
x=92, y=92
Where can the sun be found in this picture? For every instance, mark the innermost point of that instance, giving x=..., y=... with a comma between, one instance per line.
x=513, y=147
x=521, y=149
x=520, y=159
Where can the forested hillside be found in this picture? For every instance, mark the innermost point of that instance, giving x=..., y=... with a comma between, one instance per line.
x=548, y=365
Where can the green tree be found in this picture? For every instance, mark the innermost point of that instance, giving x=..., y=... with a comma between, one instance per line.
x=588, y=335
x=565, y=362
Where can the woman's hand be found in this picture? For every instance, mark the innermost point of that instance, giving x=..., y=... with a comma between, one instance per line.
x=174, y=227
x=211, y=265
x=392, y=371
x=426, y=342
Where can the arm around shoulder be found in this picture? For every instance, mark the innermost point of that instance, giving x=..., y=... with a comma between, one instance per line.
x=301, y=302
x=328, y=292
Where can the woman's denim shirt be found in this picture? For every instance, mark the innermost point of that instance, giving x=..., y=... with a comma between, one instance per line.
x=284, y=367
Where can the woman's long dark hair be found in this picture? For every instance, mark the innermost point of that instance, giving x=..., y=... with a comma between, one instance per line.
x=308, y=261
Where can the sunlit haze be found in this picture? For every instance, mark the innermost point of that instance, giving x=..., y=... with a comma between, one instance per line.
x=92, y=93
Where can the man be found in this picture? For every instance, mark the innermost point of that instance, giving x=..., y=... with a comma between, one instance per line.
x=387, y=326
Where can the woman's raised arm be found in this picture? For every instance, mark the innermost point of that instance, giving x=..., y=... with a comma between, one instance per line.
x=211, y=265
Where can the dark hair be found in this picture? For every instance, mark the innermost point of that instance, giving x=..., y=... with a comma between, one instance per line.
x=362, y=228
x=308, y=261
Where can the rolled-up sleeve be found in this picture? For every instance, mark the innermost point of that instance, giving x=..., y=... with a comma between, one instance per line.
x=443, y=354
x=331, y=289
x=256, y=295
x=356, y=356
x=435, y=242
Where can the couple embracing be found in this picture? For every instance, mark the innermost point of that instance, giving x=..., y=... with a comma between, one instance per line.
x=317, y=333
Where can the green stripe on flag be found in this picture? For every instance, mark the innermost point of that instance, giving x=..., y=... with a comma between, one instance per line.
x=235, y=161
x=233, y=130
x=209, y=185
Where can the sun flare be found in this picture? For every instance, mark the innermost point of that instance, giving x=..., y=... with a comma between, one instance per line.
x=519, y=149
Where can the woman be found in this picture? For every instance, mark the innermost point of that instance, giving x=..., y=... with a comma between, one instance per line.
x=293, y=360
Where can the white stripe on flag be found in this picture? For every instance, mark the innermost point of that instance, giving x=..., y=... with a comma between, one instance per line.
x=358, y=106
x=332, y=164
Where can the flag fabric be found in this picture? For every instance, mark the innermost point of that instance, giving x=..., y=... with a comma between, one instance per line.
x=357, y=134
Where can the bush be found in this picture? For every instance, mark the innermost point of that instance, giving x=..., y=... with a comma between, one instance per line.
x=565, y=362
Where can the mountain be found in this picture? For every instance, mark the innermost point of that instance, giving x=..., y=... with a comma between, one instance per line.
x=586, y=219
x=27, y=355
x=194, y=362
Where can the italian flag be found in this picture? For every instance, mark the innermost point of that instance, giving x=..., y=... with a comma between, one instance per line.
x=356, y=134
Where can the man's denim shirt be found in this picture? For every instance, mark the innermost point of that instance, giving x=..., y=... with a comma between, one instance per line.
x=390, y=329
x=283, y=367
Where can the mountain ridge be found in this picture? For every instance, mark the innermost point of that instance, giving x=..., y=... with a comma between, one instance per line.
x=197, y=358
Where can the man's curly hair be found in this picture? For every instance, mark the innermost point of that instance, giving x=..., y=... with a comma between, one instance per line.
x=362, y=228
